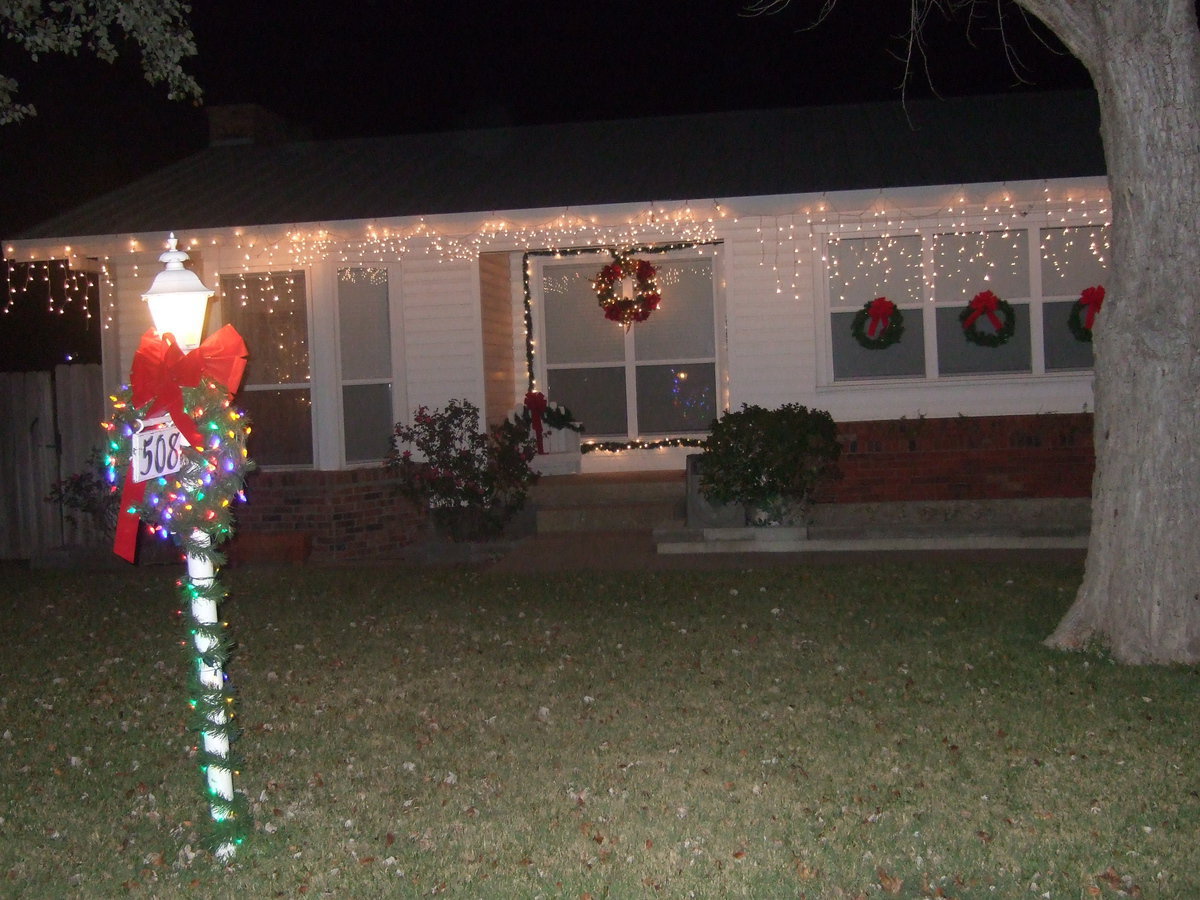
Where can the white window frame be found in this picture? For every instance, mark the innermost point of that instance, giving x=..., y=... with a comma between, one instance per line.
x=1033, y=225
x=308, y=385
x=396, y=378
x=600, y=257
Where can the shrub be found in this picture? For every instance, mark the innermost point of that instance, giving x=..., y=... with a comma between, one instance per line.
x=769, y=459
x=472, y=482
x=89, y=492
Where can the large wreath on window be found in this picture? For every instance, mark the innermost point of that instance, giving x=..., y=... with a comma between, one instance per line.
x=1083, y=313
x=878, y=325
x=999, y=314
x=646, y=296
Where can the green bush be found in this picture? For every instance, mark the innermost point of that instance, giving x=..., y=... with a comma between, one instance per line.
x=472, y=482
x=769, y=459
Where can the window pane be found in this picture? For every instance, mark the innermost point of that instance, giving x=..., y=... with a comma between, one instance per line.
x=576, y=330
x=965, y=264
x=596, y=397
x=676, y=398
x=861, y=269
x=270, y=311
x=281, y=426
x=1073, y=259
x=958, y=356
x=365, y=335
x=1062, y=350
x=906, y=358
x=682, y=327
x=367, y=413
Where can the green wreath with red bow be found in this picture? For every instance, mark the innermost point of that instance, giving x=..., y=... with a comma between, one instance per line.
x=999, y=314
x=646, y=296
x=878, y=325
x=1083, y=313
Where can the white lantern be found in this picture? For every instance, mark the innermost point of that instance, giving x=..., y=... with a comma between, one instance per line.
x=178, y=299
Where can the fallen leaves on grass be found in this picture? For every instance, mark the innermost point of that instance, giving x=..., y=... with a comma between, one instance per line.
x=889, y=883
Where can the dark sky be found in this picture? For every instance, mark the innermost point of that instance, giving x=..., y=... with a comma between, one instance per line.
x=374, y=67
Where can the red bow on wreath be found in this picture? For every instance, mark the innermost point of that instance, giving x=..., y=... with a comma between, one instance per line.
x=1091, y=300
x=535, y=402
x=160, y=372
x=985, y=303
x=880, y=311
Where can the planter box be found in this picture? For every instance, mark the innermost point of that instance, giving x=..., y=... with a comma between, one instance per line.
x=701, y=513
x=562, y=456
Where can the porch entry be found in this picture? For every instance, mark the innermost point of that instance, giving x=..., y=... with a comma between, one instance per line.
x=658, y=379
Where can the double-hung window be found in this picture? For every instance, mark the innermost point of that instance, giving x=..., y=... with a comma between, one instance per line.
x=270, y=310
x=364, y=338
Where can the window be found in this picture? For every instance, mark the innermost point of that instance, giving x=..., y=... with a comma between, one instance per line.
x=932, y=275
x=859, y=271
x=657, y=379
x=270, y=310
x=364, y=336
x=1070, y=257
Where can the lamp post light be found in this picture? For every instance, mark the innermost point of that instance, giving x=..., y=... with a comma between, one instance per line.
x=178, y=302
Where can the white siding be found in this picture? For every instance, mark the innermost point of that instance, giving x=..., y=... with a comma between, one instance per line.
x=769, y=330
x=442, y=327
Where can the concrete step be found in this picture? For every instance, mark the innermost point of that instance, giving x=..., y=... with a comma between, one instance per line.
x=608, y=517
x=674, y=541
x=608, y=501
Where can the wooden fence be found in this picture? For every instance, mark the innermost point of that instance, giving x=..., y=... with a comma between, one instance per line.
x=49, y=422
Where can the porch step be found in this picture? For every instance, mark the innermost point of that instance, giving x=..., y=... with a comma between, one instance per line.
x=610, y=501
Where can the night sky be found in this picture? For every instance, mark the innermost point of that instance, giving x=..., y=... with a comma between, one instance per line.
x=377, y=68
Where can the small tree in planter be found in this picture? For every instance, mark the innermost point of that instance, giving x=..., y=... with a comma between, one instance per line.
x=472, y=482
x=769, y=460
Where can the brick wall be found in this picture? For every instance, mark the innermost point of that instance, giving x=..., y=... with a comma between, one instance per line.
x=964, y=458
x=323, y=516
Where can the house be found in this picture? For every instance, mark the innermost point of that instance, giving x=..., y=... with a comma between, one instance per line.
x=375, y=275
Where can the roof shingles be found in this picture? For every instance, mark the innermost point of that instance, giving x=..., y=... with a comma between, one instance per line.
x=737, y=154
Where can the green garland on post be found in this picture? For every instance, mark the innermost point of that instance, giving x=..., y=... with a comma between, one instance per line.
x=200, y=496
x=194, y=506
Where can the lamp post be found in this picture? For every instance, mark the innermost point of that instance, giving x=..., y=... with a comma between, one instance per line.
x=178, y=302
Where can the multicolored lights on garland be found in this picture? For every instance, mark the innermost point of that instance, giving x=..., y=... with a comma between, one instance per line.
x=194, y=506
x=201, y=494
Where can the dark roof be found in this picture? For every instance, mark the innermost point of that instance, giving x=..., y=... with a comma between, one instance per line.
x=1008, y=137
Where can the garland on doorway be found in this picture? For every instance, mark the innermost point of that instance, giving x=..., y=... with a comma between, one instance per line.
x=526, y=272
x=878, y=325
x=999, y=313
x=1083, y=313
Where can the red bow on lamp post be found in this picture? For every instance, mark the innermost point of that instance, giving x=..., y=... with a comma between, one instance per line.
x=535, y=402
x=160, y=372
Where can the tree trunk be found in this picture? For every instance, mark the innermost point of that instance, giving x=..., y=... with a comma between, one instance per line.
x=1140, y=594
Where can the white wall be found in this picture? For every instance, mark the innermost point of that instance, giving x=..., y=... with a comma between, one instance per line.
x=776, y=313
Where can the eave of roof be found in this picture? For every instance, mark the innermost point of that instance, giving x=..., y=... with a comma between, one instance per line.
x=1010, y=137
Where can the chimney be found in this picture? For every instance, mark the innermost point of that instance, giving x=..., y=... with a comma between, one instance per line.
x=249, y=123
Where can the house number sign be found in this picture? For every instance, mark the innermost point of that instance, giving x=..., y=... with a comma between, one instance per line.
x=157, y=449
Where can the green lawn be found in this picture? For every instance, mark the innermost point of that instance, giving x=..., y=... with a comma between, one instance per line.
x=839, y=731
